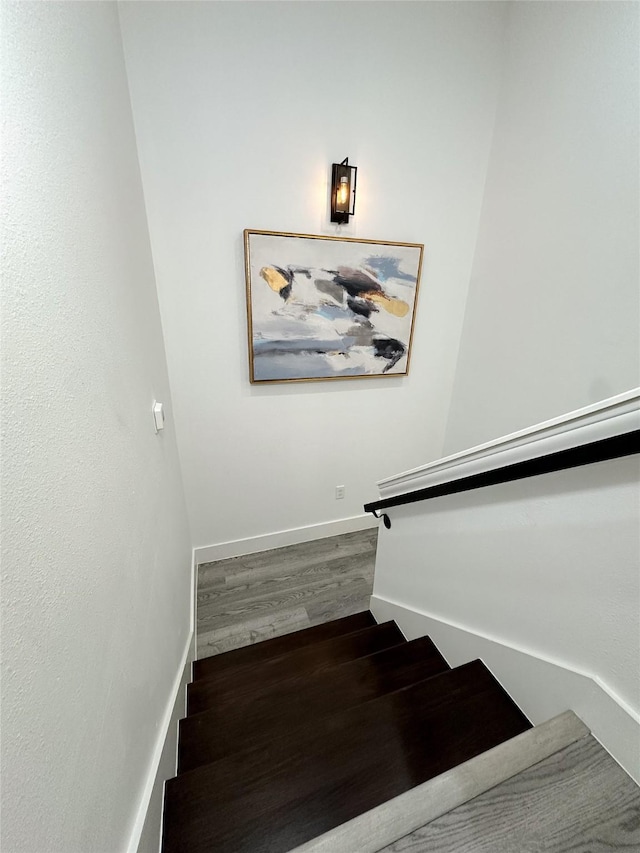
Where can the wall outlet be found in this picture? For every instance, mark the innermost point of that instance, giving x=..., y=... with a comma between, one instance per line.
x=339, y=493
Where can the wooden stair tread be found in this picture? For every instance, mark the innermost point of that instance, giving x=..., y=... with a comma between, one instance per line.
x=576, y=800
x=249, y=680
x=289, y=790
x=276, y=646
x=246, y=720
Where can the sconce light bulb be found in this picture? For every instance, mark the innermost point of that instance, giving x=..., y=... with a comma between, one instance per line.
x=343, y=191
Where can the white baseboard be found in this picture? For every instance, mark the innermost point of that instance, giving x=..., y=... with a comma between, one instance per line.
x=542, y=688
x=281, y=538
x=146, y=833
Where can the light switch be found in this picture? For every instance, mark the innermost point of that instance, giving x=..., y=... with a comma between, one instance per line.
x=158, y=416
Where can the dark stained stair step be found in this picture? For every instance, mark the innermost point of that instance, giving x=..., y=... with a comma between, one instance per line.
x=249, y=655
x=250, y=680
x=246, y=720
x=271, y=798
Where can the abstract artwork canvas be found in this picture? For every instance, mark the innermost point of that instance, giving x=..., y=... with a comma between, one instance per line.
x=329, y=307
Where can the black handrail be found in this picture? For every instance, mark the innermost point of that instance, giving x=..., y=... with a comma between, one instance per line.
x=614, y=447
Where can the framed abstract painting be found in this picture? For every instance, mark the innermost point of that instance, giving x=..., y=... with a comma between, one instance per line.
x=329, y=307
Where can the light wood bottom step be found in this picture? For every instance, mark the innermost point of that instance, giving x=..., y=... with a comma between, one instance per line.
x=579, y=800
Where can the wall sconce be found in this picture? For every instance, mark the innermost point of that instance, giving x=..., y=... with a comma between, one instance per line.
x=343, y=190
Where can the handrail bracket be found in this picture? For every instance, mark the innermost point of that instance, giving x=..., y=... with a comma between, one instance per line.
x=385, y=518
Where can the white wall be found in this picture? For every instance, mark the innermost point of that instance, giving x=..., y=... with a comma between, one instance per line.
x=96, y=547
x=240, y=109
x=541, y=576
x=546, y=569
x=553, y=315
x=549, y=564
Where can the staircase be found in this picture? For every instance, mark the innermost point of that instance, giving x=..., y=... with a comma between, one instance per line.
x=289, y=739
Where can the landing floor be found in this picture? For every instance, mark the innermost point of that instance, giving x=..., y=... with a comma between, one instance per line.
x=247, y=599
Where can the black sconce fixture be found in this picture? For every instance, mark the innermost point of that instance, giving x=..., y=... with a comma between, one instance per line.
x=343, y=191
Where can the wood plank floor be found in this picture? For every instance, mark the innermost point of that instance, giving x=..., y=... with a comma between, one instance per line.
x=578, y=800
x=248, y=599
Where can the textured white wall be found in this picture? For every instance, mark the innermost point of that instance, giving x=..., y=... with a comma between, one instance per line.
x=553, y=313
x=240, y=108
x=96, y=550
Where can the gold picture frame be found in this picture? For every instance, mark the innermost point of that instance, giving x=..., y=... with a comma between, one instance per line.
x=321, y=308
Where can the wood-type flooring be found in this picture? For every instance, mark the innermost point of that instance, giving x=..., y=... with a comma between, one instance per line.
x=576, y=801
x=248, y=599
